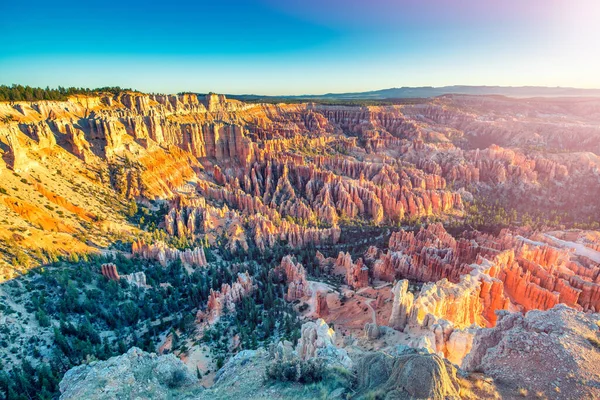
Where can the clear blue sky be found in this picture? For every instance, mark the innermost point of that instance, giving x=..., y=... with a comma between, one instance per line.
x=296, y=47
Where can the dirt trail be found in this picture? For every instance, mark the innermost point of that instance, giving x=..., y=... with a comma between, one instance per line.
x=369, y=300
x=374, y=315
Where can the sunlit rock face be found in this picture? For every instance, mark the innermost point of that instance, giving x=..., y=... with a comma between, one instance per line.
x=532, y=273
x=295, y=173
x=475, y=277
x=164, y=254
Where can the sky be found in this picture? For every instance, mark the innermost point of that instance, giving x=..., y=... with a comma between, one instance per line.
x=277, y=47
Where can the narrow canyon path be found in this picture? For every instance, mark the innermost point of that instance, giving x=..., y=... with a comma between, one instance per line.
x=374, y=315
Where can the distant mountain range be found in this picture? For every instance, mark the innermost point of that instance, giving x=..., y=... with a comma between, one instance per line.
x=429, y=91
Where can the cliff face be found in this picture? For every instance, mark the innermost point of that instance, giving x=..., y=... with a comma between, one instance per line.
x=290, y=172
x=470, y=280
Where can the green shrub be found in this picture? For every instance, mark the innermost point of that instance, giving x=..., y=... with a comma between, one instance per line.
x=296, y=370
x=177, y=379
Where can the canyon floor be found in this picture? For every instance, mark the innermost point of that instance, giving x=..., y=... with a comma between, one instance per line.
x=185, y=246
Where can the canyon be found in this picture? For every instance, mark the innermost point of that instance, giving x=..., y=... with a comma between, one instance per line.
x=447, y=234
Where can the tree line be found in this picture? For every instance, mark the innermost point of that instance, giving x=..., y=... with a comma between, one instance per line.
x=28, y=93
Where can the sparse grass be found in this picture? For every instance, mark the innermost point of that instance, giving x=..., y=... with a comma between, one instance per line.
x=476, y=388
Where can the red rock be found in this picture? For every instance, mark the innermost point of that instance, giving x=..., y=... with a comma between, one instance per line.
x=110, y=271
x=322, y=309
x=226, y=298
x=164, y=254
x=295, y=276
x=357, y=274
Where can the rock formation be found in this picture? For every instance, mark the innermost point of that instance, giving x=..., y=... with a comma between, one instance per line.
x=260, y=184
x=442, y=313
x=295, y=277
x=16, y=156
x=553, y=351
x=372, y=331
x=530, y=274
x=409, y=374
x=162, y=253
x=322, y=309
x=357, y=274
x=135, y=374
x=110, y=271
x=402, y=306
x=137, y=278
x=226, y=298
x=318, y=340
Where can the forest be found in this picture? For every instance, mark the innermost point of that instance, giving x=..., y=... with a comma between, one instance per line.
x=28, y=93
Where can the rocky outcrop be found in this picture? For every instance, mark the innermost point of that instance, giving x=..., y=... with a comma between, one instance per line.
x=551, y=351
x=137, y=278
x=225, y=298
x=322, y=309
x=110, y=271
x=16, y=157
x=135, y=374
x=318, y=340
x=42, y=134
x=164, y=254
x=372, y=331
x=402, y=305
x=357, y=274
x=409, y=374
x=295, y=277
x=442, y=314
